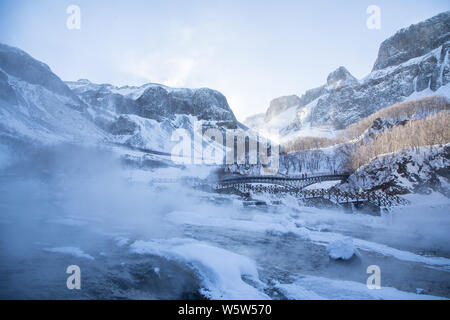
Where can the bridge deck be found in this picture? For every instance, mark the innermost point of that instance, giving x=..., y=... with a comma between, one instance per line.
x=298, y=182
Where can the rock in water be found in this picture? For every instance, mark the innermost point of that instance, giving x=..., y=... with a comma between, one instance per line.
x=342, y=249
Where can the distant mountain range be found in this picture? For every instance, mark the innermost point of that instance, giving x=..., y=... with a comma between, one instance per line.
x=414, y=62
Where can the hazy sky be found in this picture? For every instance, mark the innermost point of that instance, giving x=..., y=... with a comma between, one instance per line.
x=251, y=51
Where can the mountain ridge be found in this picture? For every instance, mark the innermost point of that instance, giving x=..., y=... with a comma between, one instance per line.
x=36, y=105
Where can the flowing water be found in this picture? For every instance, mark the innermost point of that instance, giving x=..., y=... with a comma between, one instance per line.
x=135, y=240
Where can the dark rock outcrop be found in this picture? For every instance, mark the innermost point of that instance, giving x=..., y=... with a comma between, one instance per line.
x=123, y=126
x=154, y=101
x=340, y=77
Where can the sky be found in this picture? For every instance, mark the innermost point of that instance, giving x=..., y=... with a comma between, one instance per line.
x=251, y=51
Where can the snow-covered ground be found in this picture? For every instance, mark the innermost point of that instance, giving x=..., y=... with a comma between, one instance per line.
x=319, y=288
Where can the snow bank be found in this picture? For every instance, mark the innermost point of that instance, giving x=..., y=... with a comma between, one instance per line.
x=73, y=251
x=220, y=270
x=323, y=185
x=311, y=287
x=327, y=237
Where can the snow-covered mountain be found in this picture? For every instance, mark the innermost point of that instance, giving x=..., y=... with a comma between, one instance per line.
x=414, y=62
x=146, y=116
x=36, y=105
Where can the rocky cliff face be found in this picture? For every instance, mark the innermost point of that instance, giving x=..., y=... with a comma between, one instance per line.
x=154, y=101
x=204, y=103
x=146, y=116
x=414, y=41
x=414, y=60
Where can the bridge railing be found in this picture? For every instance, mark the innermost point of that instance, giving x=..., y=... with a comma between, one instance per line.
x=243, y=179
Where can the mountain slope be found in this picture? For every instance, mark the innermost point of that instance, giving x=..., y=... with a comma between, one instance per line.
x=36, y=104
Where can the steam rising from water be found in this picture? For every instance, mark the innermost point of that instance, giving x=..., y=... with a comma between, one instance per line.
x=68, y=204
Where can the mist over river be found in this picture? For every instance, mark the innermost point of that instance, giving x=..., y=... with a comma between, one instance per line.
x=133, y=239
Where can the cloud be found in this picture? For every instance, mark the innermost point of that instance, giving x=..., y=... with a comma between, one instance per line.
x=187, y=56
x=181, y=69
x=160, y=67
x=172, y=59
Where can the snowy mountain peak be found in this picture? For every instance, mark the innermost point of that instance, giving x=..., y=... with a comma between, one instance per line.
x=339, y=77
